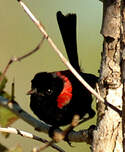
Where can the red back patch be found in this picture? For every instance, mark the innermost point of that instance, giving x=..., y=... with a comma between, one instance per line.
x=66, y=94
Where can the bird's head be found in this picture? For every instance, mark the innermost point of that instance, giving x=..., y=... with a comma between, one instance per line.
x=45, y=84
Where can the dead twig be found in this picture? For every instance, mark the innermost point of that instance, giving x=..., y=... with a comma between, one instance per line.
x=15, y=59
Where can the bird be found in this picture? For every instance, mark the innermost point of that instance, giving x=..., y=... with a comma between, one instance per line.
x=55, y=97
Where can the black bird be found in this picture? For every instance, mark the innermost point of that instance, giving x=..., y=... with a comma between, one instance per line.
x=57, y=96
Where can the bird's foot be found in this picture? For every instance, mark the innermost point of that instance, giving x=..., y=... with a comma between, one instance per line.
x=57, y=134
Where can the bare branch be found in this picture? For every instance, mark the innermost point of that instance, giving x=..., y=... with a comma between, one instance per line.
x=29, y=135
x=64, y=60
x=62, y=135
x=31, y=52
x=73, y=136
x=15, y=59
x=59, y=136
x=44, y=147
x=14, y=107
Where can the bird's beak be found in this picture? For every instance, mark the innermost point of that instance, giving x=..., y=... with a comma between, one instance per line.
x=32, y=91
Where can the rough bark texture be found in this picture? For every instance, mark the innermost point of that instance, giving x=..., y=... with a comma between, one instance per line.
x=108, y=136
x=123, y=71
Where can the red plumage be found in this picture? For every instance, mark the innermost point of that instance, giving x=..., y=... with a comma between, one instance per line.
x=66, y=94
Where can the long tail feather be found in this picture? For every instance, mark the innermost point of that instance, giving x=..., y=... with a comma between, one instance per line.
x=67, y=25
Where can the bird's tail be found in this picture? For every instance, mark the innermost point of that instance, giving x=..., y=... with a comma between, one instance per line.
x=67, y=26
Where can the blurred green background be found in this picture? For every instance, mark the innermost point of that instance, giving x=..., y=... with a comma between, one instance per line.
x=19, y=35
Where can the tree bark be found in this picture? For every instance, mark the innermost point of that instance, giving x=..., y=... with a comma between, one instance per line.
x=108, y=136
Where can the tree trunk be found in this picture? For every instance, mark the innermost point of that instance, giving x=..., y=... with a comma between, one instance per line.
x=108, y=136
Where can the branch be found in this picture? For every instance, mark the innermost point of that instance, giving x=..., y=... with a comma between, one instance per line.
x=15, y=59
x=62, y=135
x=74, y=136
x=84, y=135
x=28, y=135
x=14, y=107
x=64, y=60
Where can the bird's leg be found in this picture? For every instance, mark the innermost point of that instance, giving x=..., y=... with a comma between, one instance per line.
x=90, y=115
x=58, y=135
x=75, y=122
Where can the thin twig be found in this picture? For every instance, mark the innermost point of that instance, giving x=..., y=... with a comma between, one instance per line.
x=31, y=52
x=13, y=91
x=29, y=135
x=46, y=145
x=15, y=59
x=64, y=60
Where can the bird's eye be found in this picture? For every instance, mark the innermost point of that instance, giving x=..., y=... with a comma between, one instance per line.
x=49, y=92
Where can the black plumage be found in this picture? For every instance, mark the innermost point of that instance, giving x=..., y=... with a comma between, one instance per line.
x=57, y=96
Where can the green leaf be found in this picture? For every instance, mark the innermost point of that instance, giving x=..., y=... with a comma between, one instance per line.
x=7, y=117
